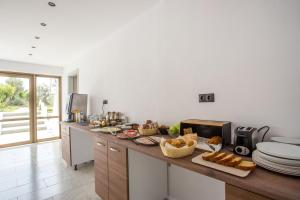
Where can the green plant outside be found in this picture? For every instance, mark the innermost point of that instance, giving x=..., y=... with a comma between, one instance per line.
x=13, y=96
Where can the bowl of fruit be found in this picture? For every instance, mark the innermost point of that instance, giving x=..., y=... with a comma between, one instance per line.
x=174, y=130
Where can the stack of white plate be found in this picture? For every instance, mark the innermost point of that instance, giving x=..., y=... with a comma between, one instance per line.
x=278, y=157
x=286, y=140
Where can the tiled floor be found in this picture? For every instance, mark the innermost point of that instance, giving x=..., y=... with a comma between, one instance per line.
x=37, y=172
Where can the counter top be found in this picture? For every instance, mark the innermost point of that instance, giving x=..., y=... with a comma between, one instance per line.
x=261, y=181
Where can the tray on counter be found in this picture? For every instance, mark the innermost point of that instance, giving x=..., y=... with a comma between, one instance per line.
x=230, y=170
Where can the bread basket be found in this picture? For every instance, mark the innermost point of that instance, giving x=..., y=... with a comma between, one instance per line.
x=148, y=131
x=174, y=152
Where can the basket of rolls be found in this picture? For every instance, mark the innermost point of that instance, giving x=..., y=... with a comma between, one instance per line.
x=149, y=128
x=179, y=147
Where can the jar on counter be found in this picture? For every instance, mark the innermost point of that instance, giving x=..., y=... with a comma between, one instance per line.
x=82, y=118
x=77, y=115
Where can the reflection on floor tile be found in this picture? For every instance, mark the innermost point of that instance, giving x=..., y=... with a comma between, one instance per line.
x=37, y=172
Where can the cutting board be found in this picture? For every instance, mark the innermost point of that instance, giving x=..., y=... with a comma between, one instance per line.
x=229, y=170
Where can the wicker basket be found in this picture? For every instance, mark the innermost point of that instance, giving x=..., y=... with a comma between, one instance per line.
x=173, y=152
x=148, y=131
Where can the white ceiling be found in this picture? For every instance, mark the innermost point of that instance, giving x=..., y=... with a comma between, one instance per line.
x=73, y=26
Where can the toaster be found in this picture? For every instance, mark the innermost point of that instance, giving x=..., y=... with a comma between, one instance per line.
x=245, y=140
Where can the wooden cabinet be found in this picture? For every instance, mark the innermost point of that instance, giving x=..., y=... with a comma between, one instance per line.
x=111, y=176
x=117, y=172
x=235, y=193
x=65, y=144
x=101, y=170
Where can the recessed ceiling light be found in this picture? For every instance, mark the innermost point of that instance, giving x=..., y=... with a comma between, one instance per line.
x=51, y=4
x=43, y=24
x=37, y=37
x=30, y=54
x=33, y=47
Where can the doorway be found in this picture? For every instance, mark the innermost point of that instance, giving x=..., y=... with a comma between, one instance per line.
x=73, y=82
x=47, y=107
x=16, y=105
x=30, y=108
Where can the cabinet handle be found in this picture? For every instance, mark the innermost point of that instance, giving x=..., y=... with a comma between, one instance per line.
x=100, y=144
x=113, y=149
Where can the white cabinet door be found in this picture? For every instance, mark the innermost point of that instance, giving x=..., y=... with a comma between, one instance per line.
x=81, y=146
x=147, y=177
x=188, y=185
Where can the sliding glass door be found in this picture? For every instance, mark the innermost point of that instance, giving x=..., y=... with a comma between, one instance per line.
x=47, y=107
x=30, y=108
x=16, y=109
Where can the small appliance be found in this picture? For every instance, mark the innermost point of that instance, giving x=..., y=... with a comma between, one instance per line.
x=246, y=139
x=208, y=129
x=76, y=102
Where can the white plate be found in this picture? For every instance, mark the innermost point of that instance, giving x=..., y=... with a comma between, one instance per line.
x=282, y=161
x=274, y=169
x=281, y=150
x=273, y=166
x=261, y=164
x=106, y=129
x=276, y=165
x=286, y=140
x=156, y=138
x=95, y=129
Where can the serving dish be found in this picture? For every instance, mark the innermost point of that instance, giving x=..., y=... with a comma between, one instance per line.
x=149, y=131
x=177, y=152
x=147, y=141
x=281, y=150
x=128, y=135
x=106, y=130
x=278, y=160
x=286, y=140
x=230, y=170
x=284, y=169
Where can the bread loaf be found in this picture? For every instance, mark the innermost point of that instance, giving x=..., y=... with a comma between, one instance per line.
x=226, y=159
x=235, y=161
x=219, y=156
x=208, y=156
x=246, y=165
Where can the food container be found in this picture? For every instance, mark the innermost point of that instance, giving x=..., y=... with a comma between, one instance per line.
x=148, y=131
x=174, y=152
x=164, y=131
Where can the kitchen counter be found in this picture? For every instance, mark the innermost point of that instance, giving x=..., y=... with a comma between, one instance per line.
x=261, y=181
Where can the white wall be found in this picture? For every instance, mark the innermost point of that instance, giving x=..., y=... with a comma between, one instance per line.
x=13, y=66
x=246, y=52
x=123, y=70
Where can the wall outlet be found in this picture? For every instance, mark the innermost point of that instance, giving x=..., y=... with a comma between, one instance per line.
x=202, y=98
x=105, y=102
x=210, y=97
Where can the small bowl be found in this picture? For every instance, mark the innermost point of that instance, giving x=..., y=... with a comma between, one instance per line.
x=164, y=131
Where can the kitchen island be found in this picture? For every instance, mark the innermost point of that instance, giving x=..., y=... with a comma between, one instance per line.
x=111, y=160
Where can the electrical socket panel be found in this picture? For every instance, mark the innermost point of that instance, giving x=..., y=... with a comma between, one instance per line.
x=210, y=97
